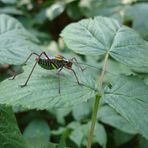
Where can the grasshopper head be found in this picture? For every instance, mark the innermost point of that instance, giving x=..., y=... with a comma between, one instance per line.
x=68, y=64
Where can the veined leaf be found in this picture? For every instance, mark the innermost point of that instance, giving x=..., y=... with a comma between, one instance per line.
x=42, y=90
x=103, y=35
x=129, y=97
x=16, y=42
x=10, y=136
x=108, y=115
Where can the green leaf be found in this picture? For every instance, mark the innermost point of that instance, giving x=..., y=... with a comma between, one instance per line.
x=92, y=8
x=139, y=23
x=79, y=135
x=100, y=135
x=10, y=10
x=73, y=10
x=9, y=1
x=108, y=115
x=81, y=111
x=10, y=136
x=128, y=96
x=37, y=129
x=40, y=143
x=103, y=35
x=60, y=114
x=46, y=83
x=16, y=42
x=55, y=10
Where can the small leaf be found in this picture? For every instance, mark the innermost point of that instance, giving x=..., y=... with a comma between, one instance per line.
x=16, y=42
x=103, y=35
x=55, y=10
x=128, y=96
x=100, y=135
x=60, y=114
x=77, y=136
x=73, y=10
x=80, y=134
x=37, y=129
x=10, y=136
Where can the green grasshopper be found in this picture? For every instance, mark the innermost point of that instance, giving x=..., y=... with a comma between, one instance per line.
x=50, y=63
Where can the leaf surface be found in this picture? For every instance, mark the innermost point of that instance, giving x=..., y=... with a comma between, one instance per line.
x=37, y=129
x=42, y=90
x=108, y=115
x=16, y=42
x=139, y=23
x=103, y=35
x=10, y=135
x=129, y=97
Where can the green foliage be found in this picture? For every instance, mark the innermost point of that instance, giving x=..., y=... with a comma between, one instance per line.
x=16, y=41
x=37, y=129
x=43, y=81
x=10, y=135
x=110, y=116
x=102, y=35
x=140, y=24
x=130, y=91
x=107, y=41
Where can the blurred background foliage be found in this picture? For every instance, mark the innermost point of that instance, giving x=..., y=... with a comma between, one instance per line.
x=45, y=19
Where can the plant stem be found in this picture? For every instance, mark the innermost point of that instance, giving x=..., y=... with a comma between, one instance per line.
x=96, y=105
x=103, y=72
x=94, y=116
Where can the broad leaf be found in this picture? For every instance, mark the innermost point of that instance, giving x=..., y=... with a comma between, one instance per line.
x=16, y=42
x=129, y=97
x=103, y=35
x=42, y=89
x=108, y=115
x=10, y=136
